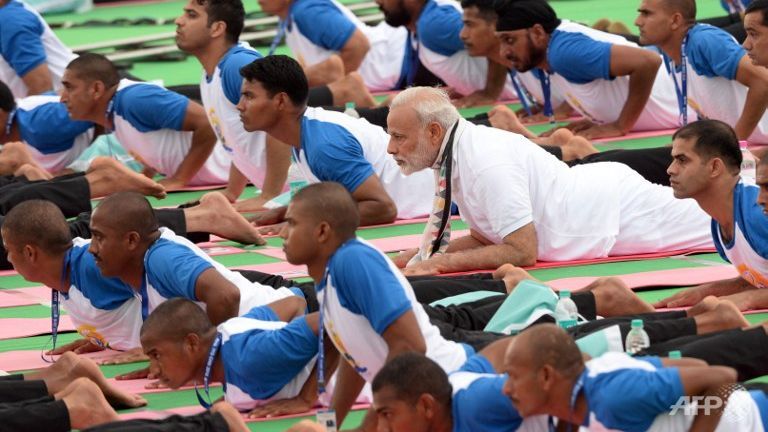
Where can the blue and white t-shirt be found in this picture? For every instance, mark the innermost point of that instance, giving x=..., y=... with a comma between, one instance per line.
x=579, y=58
x=148, y=121
x=265, y=358
x=713, y=57
x=172, y=265
x=748, y=250
x=318, y=29
x=220, y=93
x=735, y=6
x=53, y=138
x=362, y=294
x=105, y=310
x=26, y=42
x=442, y=52
x=340, y=148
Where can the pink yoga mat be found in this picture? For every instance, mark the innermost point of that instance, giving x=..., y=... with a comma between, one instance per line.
x=11, y=328
x=222, y=250
x=192, y=410
x=11, y=298
x=13, y=361
x=638, y=135
x=138, y=386
x=673, y=277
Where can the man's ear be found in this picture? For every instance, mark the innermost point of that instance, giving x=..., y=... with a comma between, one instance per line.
x=134, y=239
x=435, y=133
x=427, y=406
x=30, y=252
x=218, y=28
x=323, y=231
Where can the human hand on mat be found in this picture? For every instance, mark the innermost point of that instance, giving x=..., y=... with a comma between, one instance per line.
x=268, y=217
x=137, y=374
x=474, y=99
x=423, y=268
x=596, y=131
x=271, y=229
x=172, y=184
x=306, y=426
x=401, y=259
x=296, y=405
x=687, y=297
x=130, y=356
x=80, y=346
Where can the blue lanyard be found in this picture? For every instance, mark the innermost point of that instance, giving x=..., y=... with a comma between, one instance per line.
x=546, y=88
x=144, y=298
x=681, y=89
x=9, y=122
x=207, y=374
x=282, y=25
x=577, y=387
x=55, y=309
x=320, y=344
x=521, y=93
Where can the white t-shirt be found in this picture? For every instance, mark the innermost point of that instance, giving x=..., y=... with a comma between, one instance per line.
x=579, y=58
x=321, y=28
x=340, y=148
x=362, y=294
x=26, y=42
x=148, y=121
x=501, y=182
x=220, y=94
x=52, y=137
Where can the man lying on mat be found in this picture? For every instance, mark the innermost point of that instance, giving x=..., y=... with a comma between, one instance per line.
x=521, y=203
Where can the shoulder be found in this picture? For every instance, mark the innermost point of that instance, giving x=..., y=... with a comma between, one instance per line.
x=751, y=219
x=439, y=25
x=238, y=57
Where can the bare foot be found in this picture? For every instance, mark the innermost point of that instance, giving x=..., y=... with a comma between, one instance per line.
x=724, y=316
x=614, y=298
x=86, y=405
x=560, y=137
x=32, y=172
x=106, y=176
x=13, y=156
x=231, y=415
x=86, y=368
x=577, y=147
x=217, y=216
x=708, y=304
x=501, y=117
x=351, y=88
x=511, y=275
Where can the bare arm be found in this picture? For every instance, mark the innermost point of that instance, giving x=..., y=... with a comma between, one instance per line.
x=494, y=85
x=756, y=80
x=518, y=248
x=693, y=295
x=203, y=141
x=354, y=51
x=278, y=162
x=706, y=381
x=221, y=297
x=38, y=80
x=236, y=184
x=375, y=205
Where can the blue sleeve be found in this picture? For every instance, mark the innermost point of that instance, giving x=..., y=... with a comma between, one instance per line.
x=323, y=23
x=579, y=58
x=334, y=154
x=149, y=107
x=231, y=80
x=20, y=43
x=478, y=363
x=438, y=29
x=713, y=52
x=262, y=313
x=173, y=269
x=654, y=361
x=367, y=286
x=751, y=219
x=483, y=407
x=49, y=129
x=660, y=391
x=716, y=240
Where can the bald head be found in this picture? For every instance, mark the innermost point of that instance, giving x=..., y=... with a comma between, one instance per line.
x=547, y=345
x=330, y=202
x=91, y=67
x=430, y=104
x=39, y=223
x=126, y=212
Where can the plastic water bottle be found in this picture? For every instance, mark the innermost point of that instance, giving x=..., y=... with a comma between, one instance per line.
x=637, y=338
x=350, y=110
x=748, y=162
x=566, y=313
x=675, y=355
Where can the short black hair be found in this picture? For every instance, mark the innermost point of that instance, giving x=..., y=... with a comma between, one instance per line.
x=759, y=6
x=279, y=74
x=714, y=138
x=39, y=223
x=92, y=67
x=411, y=375
x=130, y=211
x=175, y=318
x=231, y=12
x=687, y=8
x=7, y=101
x=332, y=203
x=486, y=8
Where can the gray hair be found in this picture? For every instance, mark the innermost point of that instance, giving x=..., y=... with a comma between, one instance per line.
x=431, y=105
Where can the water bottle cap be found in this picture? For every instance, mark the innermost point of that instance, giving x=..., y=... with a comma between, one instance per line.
x=675, y=355
x=743, y=144
x=637, y=323
x=565, y=294
x=350, y=105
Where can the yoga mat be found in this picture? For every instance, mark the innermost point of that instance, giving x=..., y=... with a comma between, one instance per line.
x=138, y=386
x=675, y=277
x=192, y=410
x=12, y=298
x=221, y=250
x=11, y=328
x=23, y=360
x=636, y=135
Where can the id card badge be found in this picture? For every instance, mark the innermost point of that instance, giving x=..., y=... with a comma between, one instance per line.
x=327, y=419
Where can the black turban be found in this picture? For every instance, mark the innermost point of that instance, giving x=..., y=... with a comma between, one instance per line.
x=524, y=14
